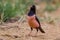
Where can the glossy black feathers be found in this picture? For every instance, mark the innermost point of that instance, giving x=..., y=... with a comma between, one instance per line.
x=32, y=10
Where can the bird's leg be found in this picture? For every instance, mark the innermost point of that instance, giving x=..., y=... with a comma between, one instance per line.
x=36, y=31
x=30, y=31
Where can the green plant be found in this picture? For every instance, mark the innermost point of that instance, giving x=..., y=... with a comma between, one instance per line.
x=7, y=10
x=50, y=8
x=48, y=1
x=1, y=10
x=57, y=4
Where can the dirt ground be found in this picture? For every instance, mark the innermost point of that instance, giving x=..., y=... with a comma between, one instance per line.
x=14, y=31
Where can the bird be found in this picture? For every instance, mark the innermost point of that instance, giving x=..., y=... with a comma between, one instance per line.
x=33, y=21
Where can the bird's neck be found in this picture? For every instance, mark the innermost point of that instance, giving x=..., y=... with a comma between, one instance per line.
x=31, y=17
x=31, y=13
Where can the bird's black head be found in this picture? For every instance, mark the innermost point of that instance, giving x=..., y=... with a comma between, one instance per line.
x=32, y=10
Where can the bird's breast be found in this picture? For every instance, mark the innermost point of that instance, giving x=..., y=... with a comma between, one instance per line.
x=32, y=22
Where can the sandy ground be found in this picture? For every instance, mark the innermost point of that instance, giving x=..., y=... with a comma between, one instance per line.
x=14, y=31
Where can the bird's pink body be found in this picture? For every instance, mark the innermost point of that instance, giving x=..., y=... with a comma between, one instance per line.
x=32, y=21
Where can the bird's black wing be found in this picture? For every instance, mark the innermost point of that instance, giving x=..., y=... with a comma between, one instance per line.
x=40, y=28
x=37, y=19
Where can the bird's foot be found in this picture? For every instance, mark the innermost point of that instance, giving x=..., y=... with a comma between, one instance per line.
x=29, y=34
x=34, y=35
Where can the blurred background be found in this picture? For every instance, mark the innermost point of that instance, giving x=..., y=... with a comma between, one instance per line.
x=13, y=19
x=18, y=8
